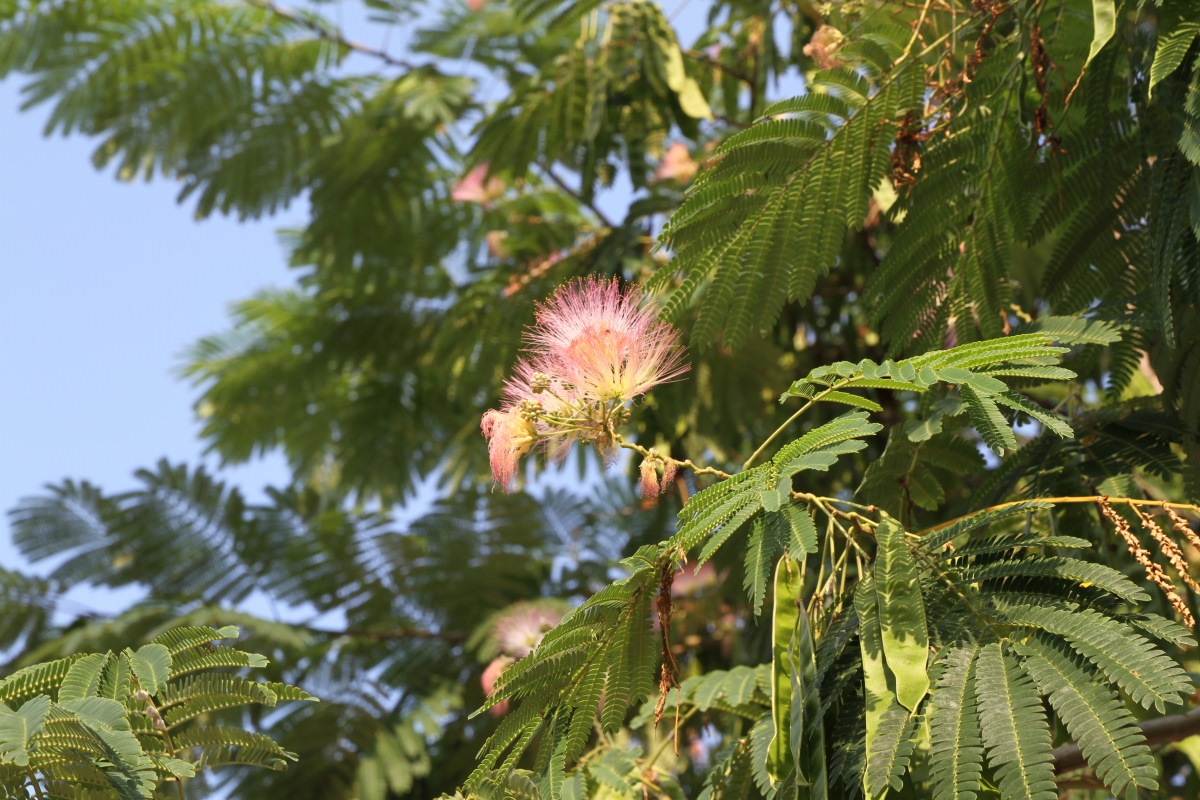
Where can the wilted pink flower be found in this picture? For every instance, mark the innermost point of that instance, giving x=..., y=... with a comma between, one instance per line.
x=596, y=339
x=509, y=437
x=649, y=476
x=521, y=628
x=668, y=476
x=491, y=674
x=824, y=43
x=473, y=188
x=676, y=165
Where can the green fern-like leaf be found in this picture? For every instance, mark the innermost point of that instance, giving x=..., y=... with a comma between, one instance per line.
x=761, y=553
x=1094, y=716
x=1068, y=569
x=738, y=239
x=713, y=507
x=201, y=694
x=1014, y=727
x=1147, y=674
x=601, y=649
x=979, y=520
x=956, y=749
x=35, y=680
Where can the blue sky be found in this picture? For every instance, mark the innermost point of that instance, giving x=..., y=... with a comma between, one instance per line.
x=104, y=285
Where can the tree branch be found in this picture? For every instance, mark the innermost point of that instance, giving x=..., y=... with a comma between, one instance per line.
x=331, y=34
x=388, y=635
x=1096, y=498
x=578, y=195
x=705, y=58
x=1161, y=730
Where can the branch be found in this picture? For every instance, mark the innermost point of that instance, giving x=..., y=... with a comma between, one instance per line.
x=1132, y=501
x=705, y=58
x=395, y=633
x=330, y=34
x=1161, y=730
x=578, y=195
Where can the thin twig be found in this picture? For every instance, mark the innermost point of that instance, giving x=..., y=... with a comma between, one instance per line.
x=331, y=35
x=686, y=462
x=389, y=635
x=707, y=59
x=780, y=430
x=1133, y=501
x=578, y=195
x=668, y=739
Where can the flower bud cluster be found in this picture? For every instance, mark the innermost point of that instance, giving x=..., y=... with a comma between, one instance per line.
x=591, y=350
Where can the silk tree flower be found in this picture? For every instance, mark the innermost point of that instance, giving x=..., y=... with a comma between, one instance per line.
x=559, y=416
x=477, y=187
x=649, y=478
x=523, y=626
x=823, y=45
x=590, y=351
x=597, y=339
x=677, y=165
x=668, y=477
x=509, y=435
x=488, y=679
x=535, y=409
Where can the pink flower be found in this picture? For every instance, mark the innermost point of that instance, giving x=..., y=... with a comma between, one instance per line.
x=491, y=674
x=475, y=5
x=677, y=165
x=649, y=476
x=509, y=437
x=557, y=404
x=596, y=339
x=590, y=351
x=536, y=408
x=824, y=43
x=523, y=626
x=668, y=476
x=473, y=189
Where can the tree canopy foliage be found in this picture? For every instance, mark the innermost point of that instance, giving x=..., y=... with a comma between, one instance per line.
x=961, y=239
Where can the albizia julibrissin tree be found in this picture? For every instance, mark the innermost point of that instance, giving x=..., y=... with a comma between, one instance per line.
x=960, y=238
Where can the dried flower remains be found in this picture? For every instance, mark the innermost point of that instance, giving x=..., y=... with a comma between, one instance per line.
x=1142, y=556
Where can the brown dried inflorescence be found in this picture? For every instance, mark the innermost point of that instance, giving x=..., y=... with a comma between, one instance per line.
x=1153, y=571
x=990, y=10
x=1170, y=549
x=1182, y=527
x=906, y=155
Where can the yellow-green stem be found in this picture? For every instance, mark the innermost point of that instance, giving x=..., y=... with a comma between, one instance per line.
x=1096, y=498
